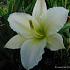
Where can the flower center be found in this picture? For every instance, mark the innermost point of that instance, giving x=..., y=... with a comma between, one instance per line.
x=38, y=32
x=38, y=35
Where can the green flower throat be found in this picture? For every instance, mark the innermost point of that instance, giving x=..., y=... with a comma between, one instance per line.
x=38, y=32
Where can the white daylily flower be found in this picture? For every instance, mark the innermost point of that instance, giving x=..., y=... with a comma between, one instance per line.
x=37, y=31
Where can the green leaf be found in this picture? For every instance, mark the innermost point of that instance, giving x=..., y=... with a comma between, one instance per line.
x=66, y=26
x=10, y=6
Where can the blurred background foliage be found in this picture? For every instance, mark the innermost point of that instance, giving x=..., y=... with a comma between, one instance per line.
x=9, y=6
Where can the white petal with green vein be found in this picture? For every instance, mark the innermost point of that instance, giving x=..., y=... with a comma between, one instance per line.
x=19, y=22
x=40, y=9
x=15, y=42
x=31, y=52
x=56, y=18
x=55, y=42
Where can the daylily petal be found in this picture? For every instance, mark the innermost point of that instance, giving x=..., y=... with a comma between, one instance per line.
x=56, y=18
x=15, y=42
x=40, y=9
x=31, y=52
x=19, y=22
x=55, y=42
